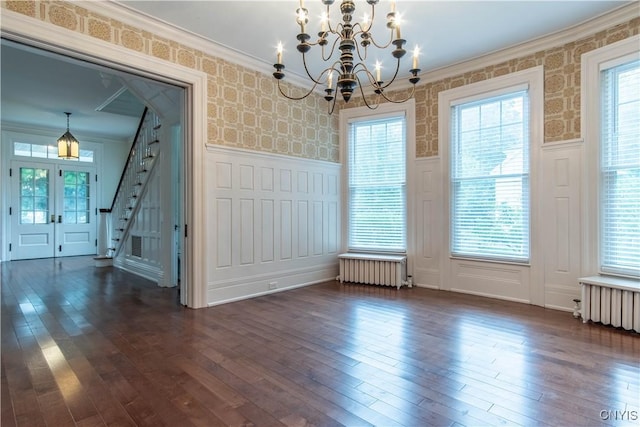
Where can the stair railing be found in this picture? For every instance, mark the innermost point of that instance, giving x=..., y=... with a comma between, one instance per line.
x=140, y=162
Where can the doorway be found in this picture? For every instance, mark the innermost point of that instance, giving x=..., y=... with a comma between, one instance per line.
x=193, y=271
x=53, y=210
x=54, y=202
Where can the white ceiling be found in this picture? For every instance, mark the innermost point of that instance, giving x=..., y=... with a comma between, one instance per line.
x=37, y=89
x=447, y=32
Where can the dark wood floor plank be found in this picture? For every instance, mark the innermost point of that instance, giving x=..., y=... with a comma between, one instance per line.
x=7, y=417
x=90, y=346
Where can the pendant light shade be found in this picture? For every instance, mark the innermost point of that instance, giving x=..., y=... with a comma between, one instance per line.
x=68, y=145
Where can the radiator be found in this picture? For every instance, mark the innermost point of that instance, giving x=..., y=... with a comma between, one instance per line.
x=370, y=269
x=611, y=301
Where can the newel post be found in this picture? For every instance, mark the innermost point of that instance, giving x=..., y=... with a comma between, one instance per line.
x=103, y=259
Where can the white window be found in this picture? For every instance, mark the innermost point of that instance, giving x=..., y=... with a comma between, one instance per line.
x=376, y=178
x=490, y=177
x=620, y=169
x=487, y=131
x=47, y=152
x=611, y=118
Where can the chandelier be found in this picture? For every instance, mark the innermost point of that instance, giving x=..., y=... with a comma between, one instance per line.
x=352, y=40
x=68, y=145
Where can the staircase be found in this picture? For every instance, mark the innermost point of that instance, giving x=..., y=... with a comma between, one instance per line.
x=139, y=165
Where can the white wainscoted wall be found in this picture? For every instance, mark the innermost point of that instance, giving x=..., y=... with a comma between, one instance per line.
x=142, y=253
x=562, y=222
x=558, y=237
x=273, y=222
x=429, y=240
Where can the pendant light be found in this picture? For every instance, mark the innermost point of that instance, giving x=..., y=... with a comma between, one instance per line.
x=68, y=145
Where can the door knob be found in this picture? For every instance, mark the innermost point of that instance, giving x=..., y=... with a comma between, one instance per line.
x=59, y=219
x=53, y=218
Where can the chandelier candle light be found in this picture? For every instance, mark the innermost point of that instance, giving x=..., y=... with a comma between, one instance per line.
x=352, y=40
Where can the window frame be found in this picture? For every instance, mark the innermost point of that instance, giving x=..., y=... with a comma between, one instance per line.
x=531, y=78
x=593, y=63
x=349, y=115
x=525, y=176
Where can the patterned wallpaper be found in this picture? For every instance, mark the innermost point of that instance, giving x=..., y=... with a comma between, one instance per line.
x=244, y=109
x=561, y=87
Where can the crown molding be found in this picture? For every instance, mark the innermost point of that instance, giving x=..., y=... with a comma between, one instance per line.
x=55, y=132
x=576, y=32
x=117, y=11
x=579, y=31
x=140, y=20
x=266, y=155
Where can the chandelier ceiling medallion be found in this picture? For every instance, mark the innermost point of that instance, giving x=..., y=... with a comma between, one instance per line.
x=345, y=48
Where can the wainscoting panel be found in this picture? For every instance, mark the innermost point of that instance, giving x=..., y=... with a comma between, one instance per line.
x=274, y=223
x=268, y=230
x=223, y=238
x=505, y=281
x=247, y=234
x=428, y=234
x=561, y=231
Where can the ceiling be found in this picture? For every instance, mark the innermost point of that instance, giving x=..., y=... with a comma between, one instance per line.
x=38, y=87
x=447, y=31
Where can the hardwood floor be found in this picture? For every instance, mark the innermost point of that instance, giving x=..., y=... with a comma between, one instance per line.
x=88, y=347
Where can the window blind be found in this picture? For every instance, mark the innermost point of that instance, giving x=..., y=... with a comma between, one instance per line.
x=620, y=170
x=490, y=178
x=377, y=185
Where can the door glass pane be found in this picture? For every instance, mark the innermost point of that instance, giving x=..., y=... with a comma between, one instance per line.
x=76, y=197
x=70, y=217
x=34, y=195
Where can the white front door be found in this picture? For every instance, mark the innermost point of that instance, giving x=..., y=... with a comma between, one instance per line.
x=52, y=210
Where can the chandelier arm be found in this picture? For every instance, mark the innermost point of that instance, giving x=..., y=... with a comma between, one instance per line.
x=380, y=46
x=364, y=97
x=362, y=58
x=395, y=101
x=377, y=88
x=331, y=105
x=395, y=75
x=333, y=49
x=370, y=77
x=295, y=98
x=315, y=82
x=331, y=30
x=373, y=17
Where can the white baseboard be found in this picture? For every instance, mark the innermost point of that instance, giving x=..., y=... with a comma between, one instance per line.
x=426, y=286
x=560, y=297
x=486, y=295
x=225, y=292
x=274, y=291
x=140, y=269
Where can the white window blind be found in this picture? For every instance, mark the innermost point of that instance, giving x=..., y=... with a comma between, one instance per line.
x=620, y=170
x=490, y=178
x=377, y=185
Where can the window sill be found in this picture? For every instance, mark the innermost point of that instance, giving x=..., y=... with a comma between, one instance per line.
x=625, y=284
x=491, y=261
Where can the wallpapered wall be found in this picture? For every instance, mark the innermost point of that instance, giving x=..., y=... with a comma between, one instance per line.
x=244, y=109
x=561, y=88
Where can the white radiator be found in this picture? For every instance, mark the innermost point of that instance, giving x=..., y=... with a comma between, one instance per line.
x=371, y=269
x=611, y=301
